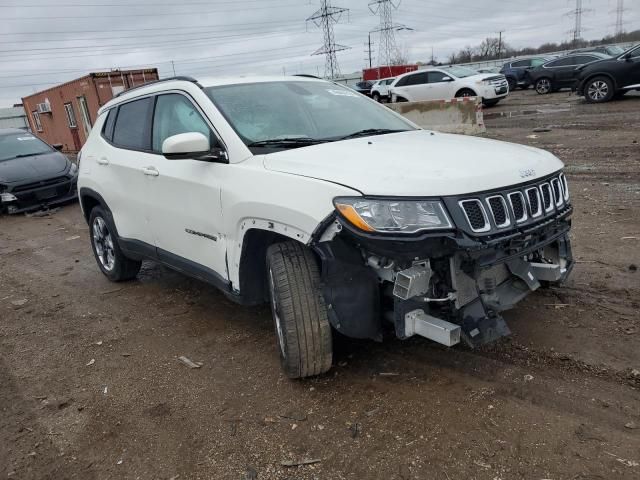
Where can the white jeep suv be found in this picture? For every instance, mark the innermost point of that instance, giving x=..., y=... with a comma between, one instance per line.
x=336, y=210
x=445, y=83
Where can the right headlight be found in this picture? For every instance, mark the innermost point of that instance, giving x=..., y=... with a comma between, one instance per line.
x=389, y=216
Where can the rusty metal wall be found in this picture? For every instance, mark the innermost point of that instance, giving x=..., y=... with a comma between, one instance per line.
x=96, y=89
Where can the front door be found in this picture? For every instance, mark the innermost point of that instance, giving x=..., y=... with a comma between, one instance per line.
x=186, y=213
x=440, y=85
x=632, y=76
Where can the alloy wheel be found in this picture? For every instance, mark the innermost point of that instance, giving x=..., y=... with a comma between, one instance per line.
x=103, y=243
x=276, y=314
x=543, y=86
x=598, y=90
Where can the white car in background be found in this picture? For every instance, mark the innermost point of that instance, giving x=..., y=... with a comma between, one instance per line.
x=380, y=89
x=445, y=83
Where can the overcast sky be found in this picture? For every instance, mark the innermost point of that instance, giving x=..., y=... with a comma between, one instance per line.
x=45, y=42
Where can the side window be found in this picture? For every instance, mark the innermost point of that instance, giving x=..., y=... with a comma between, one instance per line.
x=176, y=114
x=132, y=128
x=536, y=62
x=562, y=62
x=417, y=79
x=587, y=59
x=521, y=64
x=107, y=128
x=437, y=77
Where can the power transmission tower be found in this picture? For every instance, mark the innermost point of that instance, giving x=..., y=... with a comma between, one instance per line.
x=387, y=49
x=576, y=33
x=619, y=19
x=325, y=17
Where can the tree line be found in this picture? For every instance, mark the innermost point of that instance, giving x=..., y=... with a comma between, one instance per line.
x=493, y=48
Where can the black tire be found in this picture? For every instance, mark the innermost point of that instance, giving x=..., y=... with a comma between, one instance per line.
x=466, y=92
x=303, y=331
x=376, y=96
x=599, y=90
x=490, y=103
x=512, y=83
x=544, y=86
x=123, y=268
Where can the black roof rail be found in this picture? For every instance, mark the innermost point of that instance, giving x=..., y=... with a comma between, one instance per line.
x=306, y=75
x=168, y=79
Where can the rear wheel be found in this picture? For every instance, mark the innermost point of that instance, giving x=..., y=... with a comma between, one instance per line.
x=599, y=90
x=299, y=311
x=112, y=262
x=543, y=86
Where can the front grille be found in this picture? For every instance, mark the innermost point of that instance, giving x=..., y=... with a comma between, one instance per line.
x=499, y=211
x=40, y=184
x=535, y=208
x=545, y=189
x=557, y=192
x=533, y=201
x=518, y=206
x=476, y=215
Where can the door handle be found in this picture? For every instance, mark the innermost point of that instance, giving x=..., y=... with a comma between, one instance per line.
x=103, y=161
x=151, y=171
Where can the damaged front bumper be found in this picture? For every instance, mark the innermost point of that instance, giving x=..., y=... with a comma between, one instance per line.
x=449, y=287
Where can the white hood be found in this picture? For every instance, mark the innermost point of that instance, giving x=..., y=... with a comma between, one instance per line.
x=417, y=163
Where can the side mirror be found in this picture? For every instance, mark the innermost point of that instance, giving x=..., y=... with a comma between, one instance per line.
x=58, y=146
x=447, y=79
x=192, y=146
x=628, y=57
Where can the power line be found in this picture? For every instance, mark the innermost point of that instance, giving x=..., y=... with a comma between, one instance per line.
x=325, y=17
x=576, y=32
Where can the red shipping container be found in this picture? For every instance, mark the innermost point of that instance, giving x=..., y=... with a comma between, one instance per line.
x=377, y=73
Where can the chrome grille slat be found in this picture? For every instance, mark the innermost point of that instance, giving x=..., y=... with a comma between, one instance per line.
x=532, y=201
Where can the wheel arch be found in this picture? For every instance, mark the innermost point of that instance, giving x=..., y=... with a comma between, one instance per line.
x=464, y=89
x=258, y=235
x=600, y=74
x=89, y=199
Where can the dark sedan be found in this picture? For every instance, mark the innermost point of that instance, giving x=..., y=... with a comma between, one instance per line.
x=561, y=72
x=363, y=87
x=604, y=80
x=33, y=174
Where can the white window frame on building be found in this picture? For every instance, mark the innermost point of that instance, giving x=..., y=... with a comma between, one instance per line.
x=84, y=113
x=71, y=115
x=36, y=120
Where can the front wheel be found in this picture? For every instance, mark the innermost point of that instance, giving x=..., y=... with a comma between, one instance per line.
x=376, y=97
x=599, y=90
x=110, y=259
x=465, y=92
x=299, y=311
x=512, y=83
x=543, y=86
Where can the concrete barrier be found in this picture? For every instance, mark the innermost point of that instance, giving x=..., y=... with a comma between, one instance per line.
x=458, y=115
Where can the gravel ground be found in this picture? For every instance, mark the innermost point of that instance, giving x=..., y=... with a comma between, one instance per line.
x=91, y=387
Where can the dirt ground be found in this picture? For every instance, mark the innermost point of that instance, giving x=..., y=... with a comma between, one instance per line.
x=91, y=387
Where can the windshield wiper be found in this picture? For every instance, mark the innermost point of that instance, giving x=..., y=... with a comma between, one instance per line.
x=286, y=142
x=371, y=131
x=22, y=155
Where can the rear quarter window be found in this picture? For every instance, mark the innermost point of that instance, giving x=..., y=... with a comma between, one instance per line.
x=107, y=128
x=133, y=125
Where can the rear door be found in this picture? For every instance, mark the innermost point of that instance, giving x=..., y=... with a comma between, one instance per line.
x=121, y=168
x=413, y=87
x=186, y=213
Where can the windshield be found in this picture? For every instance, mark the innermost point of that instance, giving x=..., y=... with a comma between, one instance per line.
x=615, y=50
x=318, y=111
x=21, y=145
x=460, y=72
